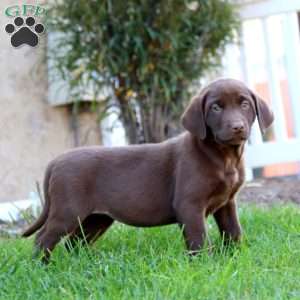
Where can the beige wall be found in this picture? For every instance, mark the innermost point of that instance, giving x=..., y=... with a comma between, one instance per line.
x=31, y=132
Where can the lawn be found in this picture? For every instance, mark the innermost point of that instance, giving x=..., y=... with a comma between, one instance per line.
x=130, y=263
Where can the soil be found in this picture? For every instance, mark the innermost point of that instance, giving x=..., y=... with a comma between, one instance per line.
x=271, y=190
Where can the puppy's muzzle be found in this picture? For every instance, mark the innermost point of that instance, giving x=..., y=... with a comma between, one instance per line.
x=238, y=127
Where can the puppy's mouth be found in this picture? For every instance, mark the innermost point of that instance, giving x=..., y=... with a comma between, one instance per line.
x=232, y=141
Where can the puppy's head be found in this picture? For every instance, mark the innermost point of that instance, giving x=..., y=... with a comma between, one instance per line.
x=225, y=110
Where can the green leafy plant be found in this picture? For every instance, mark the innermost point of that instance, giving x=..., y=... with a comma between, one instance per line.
x=148, y=53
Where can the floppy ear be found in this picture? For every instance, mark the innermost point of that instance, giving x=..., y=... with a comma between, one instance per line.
x=264, y=114
x=193, y=118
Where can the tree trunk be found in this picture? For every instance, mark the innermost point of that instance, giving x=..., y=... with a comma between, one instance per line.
x=143, y=121
x=130, y=123
x=153, y=124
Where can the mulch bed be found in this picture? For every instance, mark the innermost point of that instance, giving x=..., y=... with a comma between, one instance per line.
x=271, y=190
x=266, y=191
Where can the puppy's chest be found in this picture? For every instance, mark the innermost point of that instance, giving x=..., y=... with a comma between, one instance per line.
x=230, y=179
x=226, y=186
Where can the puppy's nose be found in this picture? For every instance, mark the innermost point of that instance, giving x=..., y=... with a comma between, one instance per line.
x=238, y=127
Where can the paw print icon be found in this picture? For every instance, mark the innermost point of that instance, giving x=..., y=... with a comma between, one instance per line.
x=24, y=31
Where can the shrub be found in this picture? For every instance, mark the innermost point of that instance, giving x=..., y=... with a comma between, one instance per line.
x=148, y=52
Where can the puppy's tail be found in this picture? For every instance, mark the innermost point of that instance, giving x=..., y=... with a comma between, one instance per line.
x=43, y=217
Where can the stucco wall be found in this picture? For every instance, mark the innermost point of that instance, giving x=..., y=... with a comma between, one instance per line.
x=31, y=132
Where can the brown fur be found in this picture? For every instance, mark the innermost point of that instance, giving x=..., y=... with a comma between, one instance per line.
x=181, y=180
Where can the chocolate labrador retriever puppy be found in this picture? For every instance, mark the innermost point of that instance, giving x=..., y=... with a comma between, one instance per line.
x=181, y=180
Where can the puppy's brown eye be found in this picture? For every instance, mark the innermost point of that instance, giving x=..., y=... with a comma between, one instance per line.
x=216, y=108
x=245, y=104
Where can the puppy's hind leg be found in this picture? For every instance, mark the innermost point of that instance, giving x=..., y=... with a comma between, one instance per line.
x=50, y=235
x=92, y=227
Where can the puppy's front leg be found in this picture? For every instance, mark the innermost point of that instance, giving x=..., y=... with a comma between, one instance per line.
x=227, y=220
x=194, y=230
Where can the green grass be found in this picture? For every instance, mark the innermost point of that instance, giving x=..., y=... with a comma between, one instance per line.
x=130, y=263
